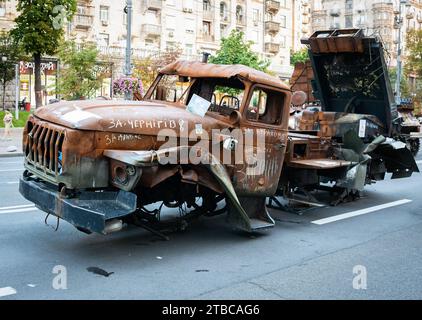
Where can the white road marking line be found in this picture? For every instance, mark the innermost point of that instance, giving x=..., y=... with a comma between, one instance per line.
x=7, y=291
x=12, y=182
x=419, y=162
x=360, y=212
x=10, y=170
x=17, y=207
x=18, y=210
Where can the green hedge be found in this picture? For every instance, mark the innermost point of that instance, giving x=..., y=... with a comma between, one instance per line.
x=23, y=116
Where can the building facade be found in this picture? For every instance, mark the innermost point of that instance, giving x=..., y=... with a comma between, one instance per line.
x=195, y=26
x=380, y=17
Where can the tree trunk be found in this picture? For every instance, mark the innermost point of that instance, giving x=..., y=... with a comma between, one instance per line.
x=4, y=95
x=38, y=86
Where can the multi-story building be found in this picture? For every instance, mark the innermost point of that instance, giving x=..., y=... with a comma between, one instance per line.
x=374, y=16
x=7, y=14
x=196, y=26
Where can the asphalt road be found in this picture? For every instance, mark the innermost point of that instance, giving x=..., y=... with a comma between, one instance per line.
x=303, y=257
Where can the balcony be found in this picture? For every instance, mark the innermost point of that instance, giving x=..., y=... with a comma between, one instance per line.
x=272, y=6
x=207, y=37
x=335, y=12
x=151, y=30
x=241, y=21
x=208, y=15
x=83, y=21
x=154, y=4
x=225, y=18
x=272, y=27
x=272, y=47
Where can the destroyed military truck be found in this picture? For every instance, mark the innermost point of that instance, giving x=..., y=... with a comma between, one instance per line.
x=347, y=74
x=205, y=140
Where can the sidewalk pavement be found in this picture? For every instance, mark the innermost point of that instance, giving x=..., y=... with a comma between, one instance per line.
x=11, y=146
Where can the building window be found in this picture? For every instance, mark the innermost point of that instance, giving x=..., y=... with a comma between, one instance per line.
x=239, y=14
x=283, y=41
x=189, y=49
x=2, y=8
x=206, y=28
x=223, y=9
x=223, y=30
x=349, y=5
x=349, y=21
x=170, y=45
x=206, y=5
x=255, y=36
x=255, y=16
x=283, y=21
x=104, y=13
x=104, y=39
x=190, y=26
x=283, y=3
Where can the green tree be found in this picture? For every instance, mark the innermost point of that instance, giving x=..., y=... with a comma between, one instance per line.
x=147, y=68
x=10, y=54
x=298, y=56
x=235, y=50
x=414, y=59
x=404, y=84
x=40, y=29
x=79, y=76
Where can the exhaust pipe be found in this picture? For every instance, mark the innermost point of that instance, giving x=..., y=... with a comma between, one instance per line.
x=205, y=56
x=113, y=226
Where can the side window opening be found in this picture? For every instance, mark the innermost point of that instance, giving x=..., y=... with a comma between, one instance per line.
x=171, y=88
x=225, y=95
x=266, y=106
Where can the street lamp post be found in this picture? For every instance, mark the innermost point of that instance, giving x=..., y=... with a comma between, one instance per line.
x=399, y=21
x=17, y=91
x=4, y=60
x=128, y=44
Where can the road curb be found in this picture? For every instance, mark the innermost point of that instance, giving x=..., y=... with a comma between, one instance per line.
x=11, y=155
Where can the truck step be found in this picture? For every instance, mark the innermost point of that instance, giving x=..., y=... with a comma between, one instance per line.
x=257, y=224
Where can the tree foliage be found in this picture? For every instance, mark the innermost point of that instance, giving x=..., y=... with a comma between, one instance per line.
x=404, y=84
x=79, y=76
x=235, y=50
x=147, y=68
x=13, y=54
x=299, y=56
x=414, y=59
x=414, y=51
x=40, y=29
x=40, y=23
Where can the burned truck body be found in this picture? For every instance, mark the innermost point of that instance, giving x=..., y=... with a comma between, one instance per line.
x=206, y=140
x=347, y=74
x=352, y=103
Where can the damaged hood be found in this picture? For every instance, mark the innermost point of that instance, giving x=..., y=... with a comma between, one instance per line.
x=141, y=117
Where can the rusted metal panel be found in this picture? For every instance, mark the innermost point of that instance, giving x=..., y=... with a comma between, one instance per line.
x=335, y=41
x=301, y=80
x=320, y=164
x=208, y=70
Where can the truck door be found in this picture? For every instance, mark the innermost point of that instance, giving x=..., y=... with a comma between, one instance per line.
x=265, y=116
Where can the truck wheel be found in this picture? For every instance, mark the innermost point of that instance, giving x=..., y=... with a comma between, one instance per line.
x=414, y=146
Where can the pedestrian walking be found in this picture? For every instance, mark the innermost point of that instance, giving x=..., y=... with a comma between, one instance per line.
x=8, y=125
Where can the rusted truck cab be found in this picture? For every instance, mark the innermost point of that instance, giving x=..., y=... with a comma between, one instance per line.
x=206, y=139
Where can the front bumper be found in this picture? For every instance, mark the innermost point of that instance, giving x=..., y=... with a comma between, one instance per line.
x=89, y=210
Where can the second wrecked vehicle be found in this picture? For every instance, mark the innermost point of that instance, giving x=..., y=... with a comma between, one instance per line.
x=206, y=139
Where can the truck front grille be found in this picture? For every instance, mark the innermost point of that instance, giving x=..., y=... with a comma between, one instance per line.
x=44, y=148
